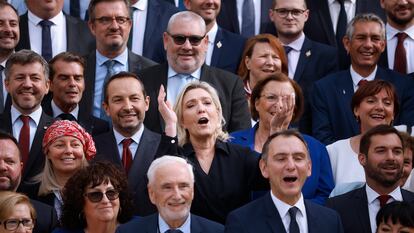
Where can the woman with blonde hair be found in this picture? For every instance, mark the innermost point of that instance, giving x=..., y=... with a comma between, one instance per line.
x=16, y=213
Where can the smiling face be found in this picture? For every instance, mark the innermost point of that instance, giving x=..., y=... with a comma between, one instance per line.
x=287, y=166
x=200, y=115
x=264, y=61
x=10, y=166
x=375, y=110
x=9, y=30
x=207, y=9
x=400, y=13
x=66, y=154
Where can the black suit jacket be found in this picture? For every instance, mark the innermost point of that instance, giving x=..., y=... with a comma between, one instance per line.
x=135, y=64
x=91, y=124
x=36, y=160
x=79, y=38
x=137, y=178
x=262, y=216
x=46, y=219
x=353, y=209
x=149, y=224
x=229, y=88
x=319, y=26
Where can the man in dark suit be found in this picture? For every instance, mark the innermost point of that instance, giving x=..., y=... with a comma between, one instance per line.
x=224, y=47
x=126, y=103
x=171, y=189
x=332, y=117
x=109, y=22
x=308, y=61
x=381, y=155
x=186, y=46
x=67, y=85
x=10, y=174
x=27, y=83
x=149, y=21
x=59, y=32
x=286, y=163
x=323, y=21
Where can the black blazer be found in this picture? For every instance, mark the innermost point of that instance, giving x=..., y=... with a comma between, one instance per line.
x=46, y=219
x=135, y=64
x=137, y=178
x=353, y=209
x=229, y=87
x=79, y=38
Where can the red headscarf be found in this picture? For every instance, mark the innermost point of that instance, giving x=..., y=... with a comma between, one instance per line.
x=62, y=128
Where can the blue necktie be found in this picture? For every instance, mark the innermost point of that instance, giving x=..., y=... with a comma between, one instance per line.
x=110, y=71
x=247, y=19
x=178, y=81
x=173, y=231
x=287, y=49
x=293, y=226
x=46, y=40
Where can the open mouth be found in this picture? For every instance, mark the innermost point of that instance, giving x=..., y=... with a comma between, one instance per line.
x=290, y=179
x=203, y=121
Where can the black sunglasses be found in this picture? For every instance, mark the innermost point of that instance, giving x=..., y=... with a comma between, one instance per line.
x=181, y=39
x=97, y=196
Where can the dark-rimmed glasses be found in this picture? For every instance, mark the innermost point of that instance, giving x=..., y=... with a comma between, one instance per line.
x=97, y=196
x=13, y=224
x=106, y=20
x=283, y=12
x=181, y=39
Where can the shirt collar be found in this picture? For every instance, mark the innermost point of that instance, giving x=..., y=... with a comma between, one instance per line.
x=57, y=20
x=163, y=226
x=372, y=195
x=392, y=32
x=297, y=44
x=136, y=137
x=121, y=58
x=212, y=34
x=140, y=5
x=35, y=116
x=330, y=2
x=356, y=77
x=57, y=111
x=171, y=73
x=283, y=207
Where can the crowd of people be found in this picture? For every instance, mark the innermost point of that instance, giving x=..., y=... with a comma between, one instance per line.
x=184, y=116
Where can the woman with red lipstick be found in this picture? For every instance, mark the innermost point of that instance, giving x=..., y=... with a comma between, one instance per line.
x=374, y=103
x=224, y=173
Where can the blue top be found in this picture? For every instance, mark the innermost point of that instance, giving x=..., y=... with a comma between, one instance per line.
x=320, y=184
x=63, y=230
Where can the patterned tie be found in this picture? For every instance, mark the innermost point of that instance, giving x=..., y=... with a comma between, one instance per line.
x=46, y=40
x=400, y=59
x=1, y=89
x=383, y=199
x=293, y=226
x=247, y=29
x=342, y=23
x=110, y=71
x=126, y=154
x=24, y=138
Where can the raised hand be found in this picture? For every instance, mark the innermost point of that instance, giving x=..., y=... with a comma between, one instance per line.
x=167, y=113
x=283, y=113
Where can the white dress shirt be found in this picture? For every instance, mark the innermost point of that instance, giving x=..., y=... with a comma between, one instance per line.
x=57, y=33
x=408, y=45
x=357, y=77
x=257, y=15
x=335, y=7
x=283, y=209
x=139, y=18
x=17, y=124
x=374, y=204
x=294, y=54
x=211, y=38
x=133, y=147
x=57, y=111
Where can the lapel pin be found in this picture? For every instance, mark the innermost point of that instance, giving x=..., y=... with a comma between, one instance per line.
x=308, y=53
x=343, y=91
x=219, y=44
x=45, y=127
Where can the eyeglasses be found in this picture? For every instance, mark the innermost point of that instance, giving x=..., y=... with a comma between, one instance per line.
x=276, y=98
x=13, y=224
x=106, y=20
x=97, y=196
x=283, y=12
x=181, y=39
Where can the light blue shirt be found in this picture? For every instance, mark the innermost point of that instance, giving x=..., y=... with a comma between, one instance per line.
x=185, y=228
x=100, y=68
x=57, y=111
x=133, y=147
x=174, y=86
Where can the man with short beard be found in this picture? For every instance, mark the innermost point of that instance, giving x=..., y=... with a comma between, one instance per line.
x=400, y=32
x=381, y=155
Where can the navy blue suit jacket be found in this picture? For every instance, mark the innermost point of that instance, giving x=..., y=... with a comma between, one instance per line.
x=262, y=216
x=353, y=209
x=46, y=219
x=228, y=49
x=332, y=116
x=149, y=224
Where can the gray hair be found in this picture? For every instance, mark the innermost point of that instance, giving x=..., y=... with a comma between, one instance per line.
x=187, y=16
x=166, y=160
x=24, y=57
x=368, y=17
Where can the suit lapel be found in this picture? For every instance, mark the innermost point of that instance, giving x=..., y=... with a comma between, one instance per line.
x=195, y=225
x=273, y=218
x=305, y=55
x=325, y=18
x=86, y=104
x=164, y=81
x=71, y=34
x=217, y=49
x=133, y=63
x=361, y=209
x=152, y=226
x=154, y=13
x=346, y=91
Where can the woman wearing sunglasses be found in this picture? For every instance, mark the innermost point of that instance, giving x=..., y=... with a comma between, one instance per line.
x=96, y=199
x=16, y=213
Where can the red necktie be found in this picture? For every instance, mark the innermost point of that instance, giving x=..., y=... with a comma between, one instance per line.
x=126, y=154
x=362, y=82
x=24, y=138
x=400, y=58
x=383, y=199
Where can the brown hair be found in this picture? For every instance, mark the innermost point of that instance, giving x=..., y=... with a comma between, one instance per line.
x=66, y=57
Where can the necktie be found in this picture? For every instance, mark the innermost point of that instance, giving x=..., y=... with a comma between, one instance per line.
x=131, y=12
x=75, y=8
x=181, y=5
x=287, y=49
x=342, y=23
x=383, y=199
x=400, y=58
x=362, y=82
x=24, y=139
x=67, y=116
x=126, y=154
x=1, y=89
x=293, y=226
x=46, y=40
x=110, y=65
x=173, y=231
x=248, y=18
x=178, y=82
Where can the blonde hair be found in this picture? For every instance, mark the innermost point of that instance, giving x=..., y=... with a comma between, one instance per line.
x=183, y=135
x=9, y=200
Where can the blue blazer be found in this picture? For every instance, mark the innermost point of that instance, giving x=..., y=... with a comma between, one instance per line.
x=262, y=216
x=149, y=224
x=320, y=184
x=228, y=49
x=332, y=116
